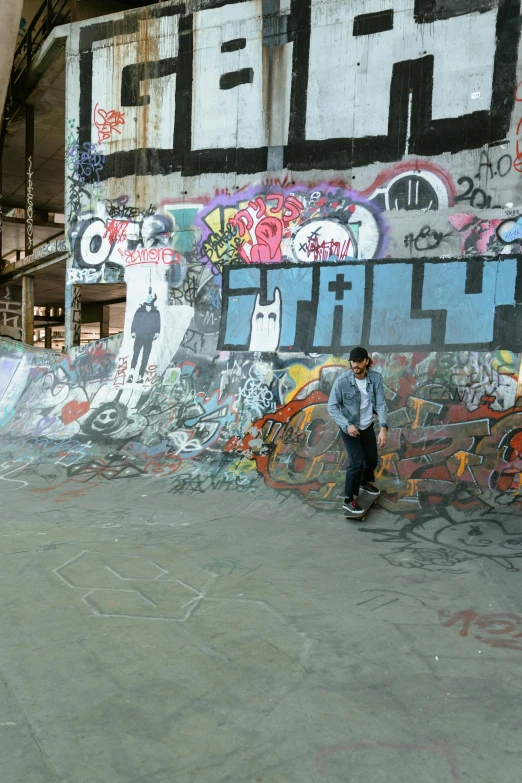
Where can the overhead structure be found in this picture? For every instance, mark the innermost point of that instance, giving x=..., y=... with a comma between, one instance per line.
x=11, y=14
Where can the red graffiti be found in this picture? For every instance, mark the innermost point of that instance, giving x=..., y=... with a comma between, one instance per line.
x=517, y=163
x=313, y=465
x=106, y=122
x=323, y=251
x=496, y=625
x=74, y=410
x=169, y=463
x=121, y=371
x=302, y=451
x=116, y=231
x=411, y=166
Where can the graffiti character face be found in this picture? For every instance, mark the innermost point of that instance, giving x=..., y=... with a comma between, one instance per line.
x=156, y=231
x=266, y=324
x=480, y=536
x=105, y=420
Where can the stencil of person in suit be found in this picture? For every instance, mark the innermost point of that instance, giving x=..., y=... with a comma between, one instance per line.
x=146, y=326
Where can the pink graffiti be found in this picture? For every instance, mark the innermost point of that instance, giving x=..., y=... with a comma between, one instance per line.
x=265, y=220
x=481, y=233
x=150, y=255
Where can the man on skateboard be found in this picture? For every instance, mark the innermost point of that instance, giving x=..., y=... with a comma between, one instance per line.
x=356, y=395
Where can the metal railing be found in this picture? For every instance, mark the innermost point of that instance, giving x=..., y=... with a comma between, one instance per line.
x=49, y=15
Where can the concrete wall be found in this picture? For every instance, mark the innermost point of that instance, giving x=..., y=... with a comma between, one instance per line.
x=277, y=182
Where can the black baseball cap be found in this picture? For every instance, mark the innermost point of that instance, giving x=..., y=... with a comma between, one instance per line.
x=357, y=354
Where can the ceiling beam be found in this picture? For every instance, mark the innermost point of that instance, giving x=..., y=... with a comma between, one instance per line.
x=14, y=272
x=36, y=222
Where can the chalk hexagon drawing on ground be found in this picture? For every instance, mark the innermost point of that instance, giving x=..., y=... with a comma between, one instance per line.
x=100, y=576
x=137, y=588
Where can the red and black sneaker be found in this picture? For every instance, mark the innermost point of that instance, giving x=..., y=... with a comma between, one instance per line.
x=371, y=489
x=353, y=508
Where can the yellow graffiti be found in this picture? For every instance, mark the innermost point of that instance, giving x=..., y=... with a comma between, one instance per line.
x=413, y=487
x=329, y=487
x=217, y=220
x=241, y=467
x=417, y=404
x=387, y=461
x=302, y=375
x=463, y=458
x=315, y=460
x=504, y=362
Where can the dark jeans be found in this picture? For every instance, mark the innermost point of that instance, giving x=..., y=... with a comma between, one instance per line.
x=141, y=343
x=362, y=452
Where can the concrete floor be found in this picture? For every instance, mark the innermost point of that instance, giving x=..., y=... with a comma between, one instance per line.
x=149, y=637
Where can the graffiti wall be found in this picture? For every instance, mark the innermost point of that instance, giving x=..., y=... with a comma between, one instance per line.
x=276, y=183
x=11, y=311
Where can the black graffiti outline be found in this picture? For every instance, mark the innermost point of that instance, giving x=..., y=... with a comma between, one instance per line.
x=424, y=233
x=410, y=78
x=507, y=328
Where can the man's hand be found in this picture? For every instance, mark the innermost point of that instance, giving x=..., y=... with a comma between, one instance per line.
x=382, y=437
x=353, y=431
x=133, y=335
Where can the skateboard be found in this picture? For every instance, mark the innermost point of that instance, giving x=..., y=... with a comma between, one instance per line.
x=366, y=501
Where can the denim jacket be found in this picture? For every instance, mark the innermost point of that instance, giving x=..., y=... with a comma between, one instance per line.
x=344, y=405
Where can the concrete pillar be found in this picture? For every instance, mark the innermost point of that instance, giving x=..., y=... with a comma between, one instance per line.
x=29, y=171
x=28, y=309
x=49, y=337
x=1, y=254
x=11, y=15
x=73, y=315
x=105, y=321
